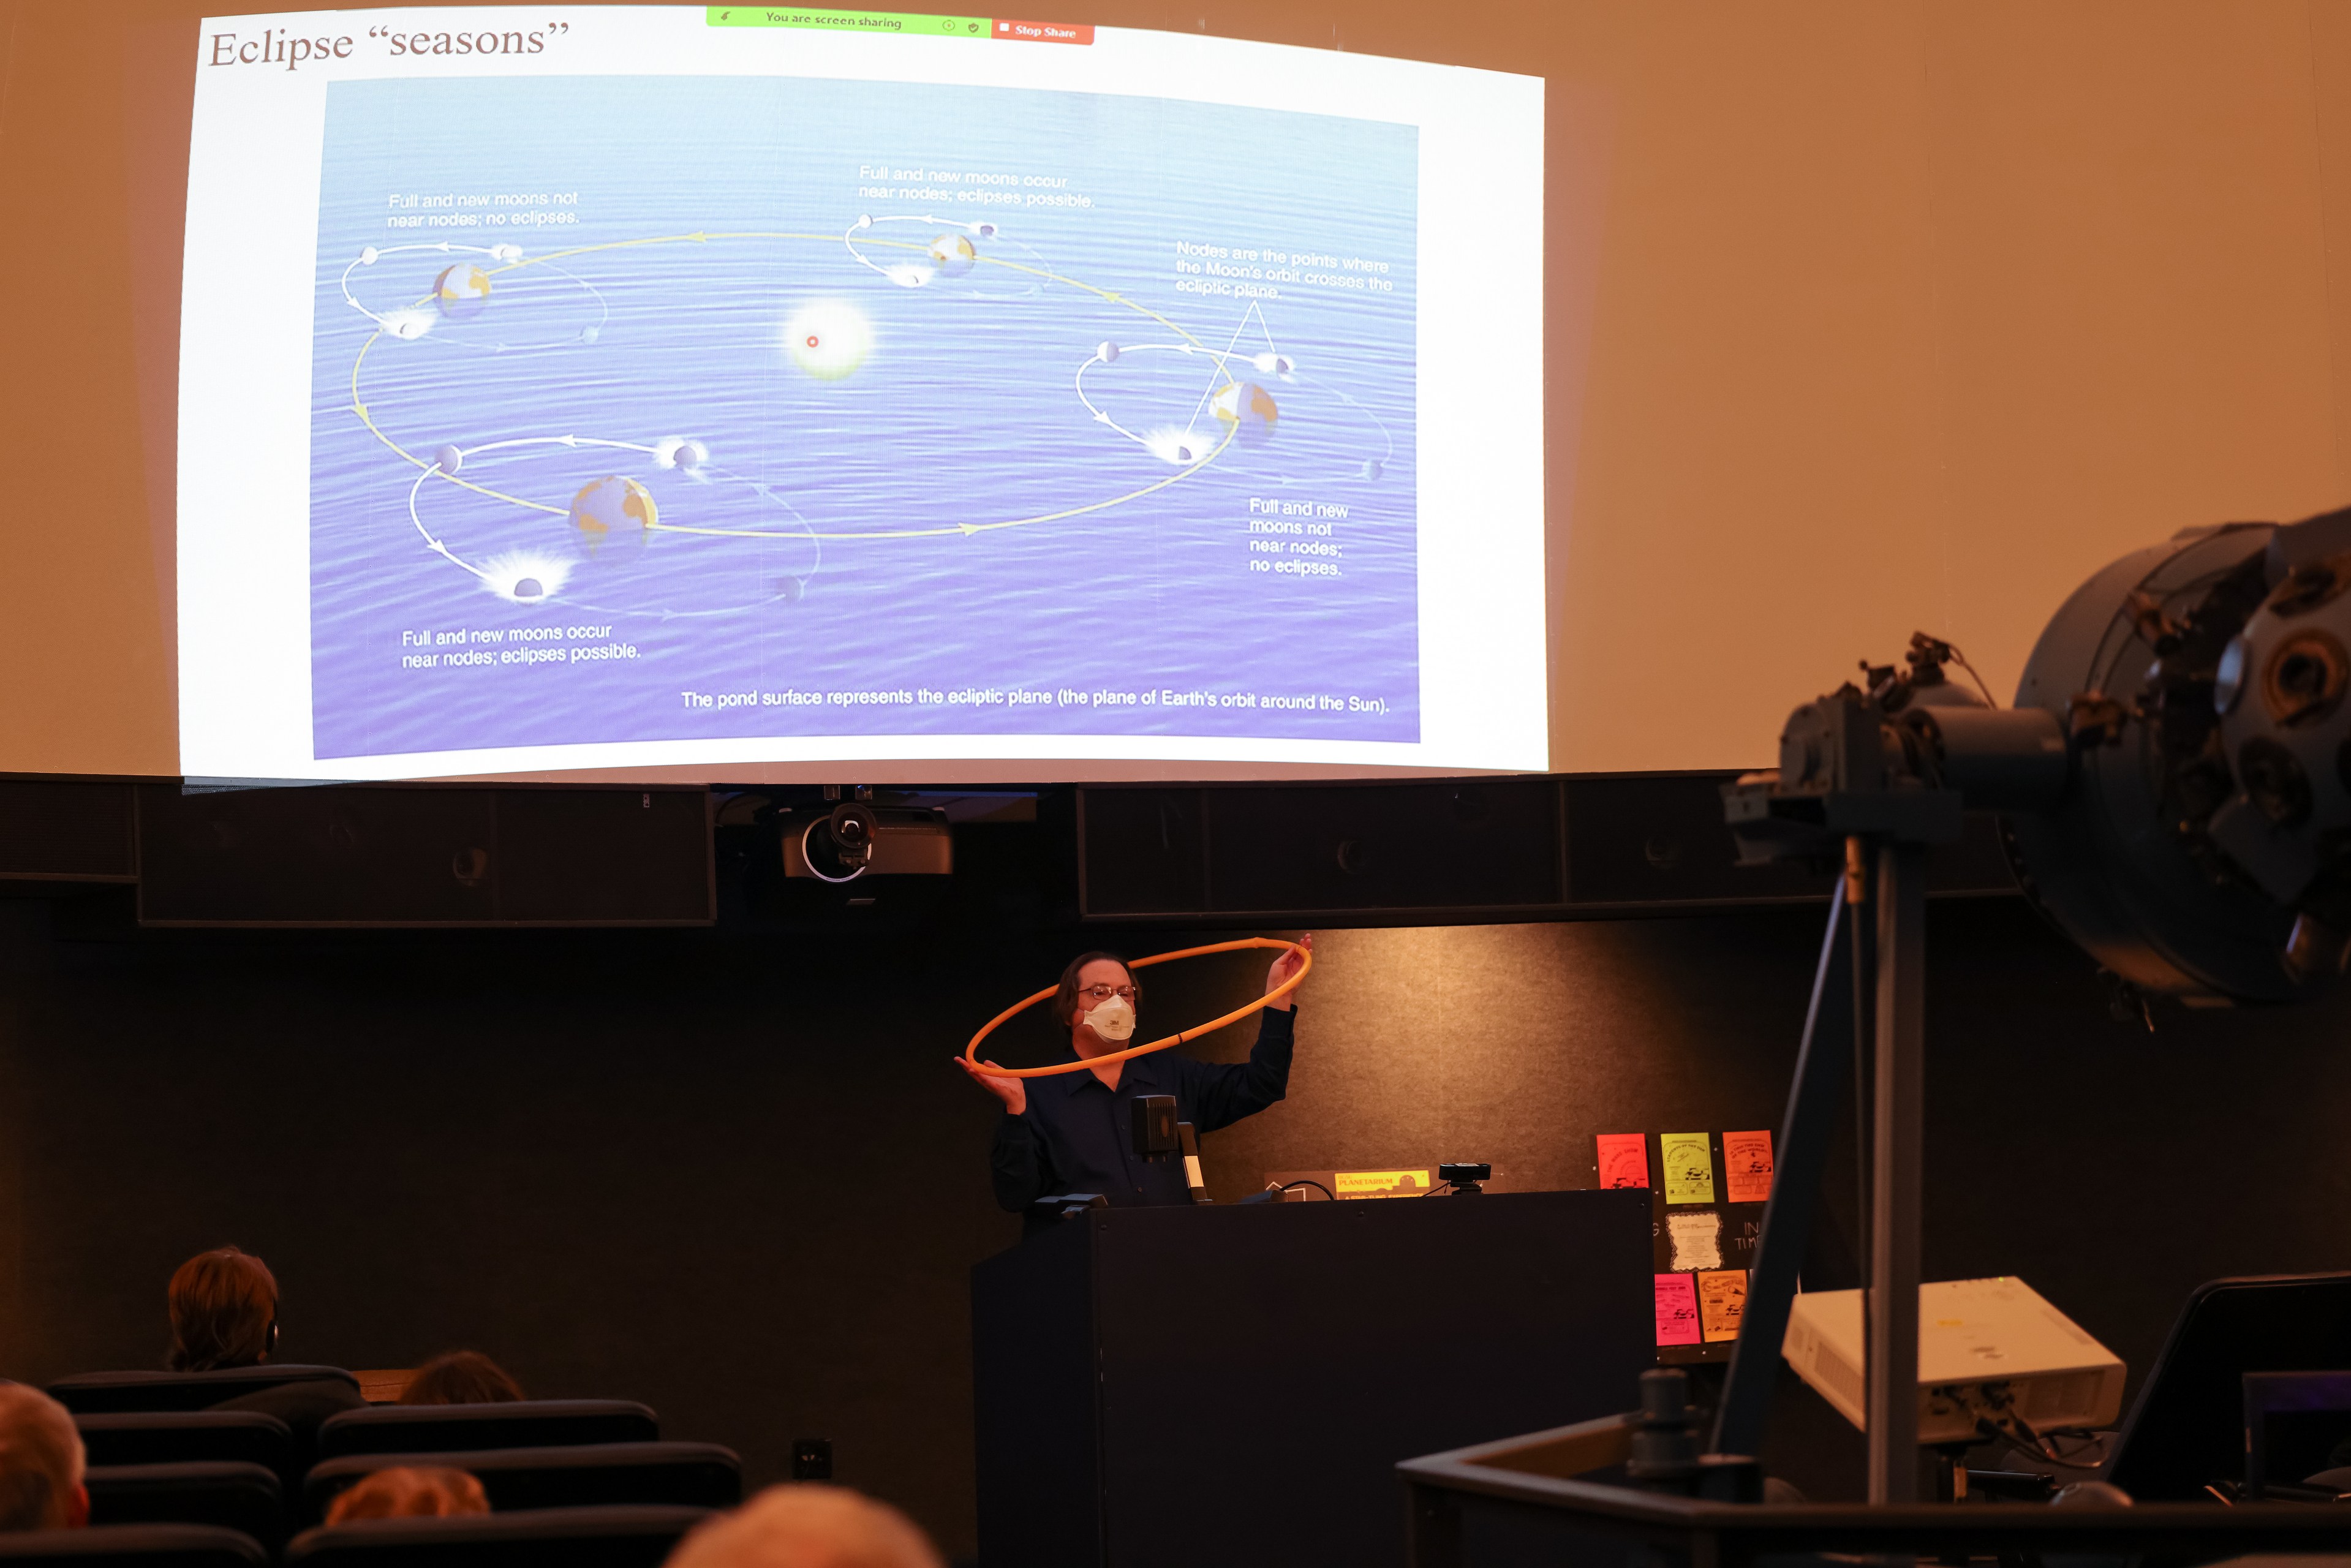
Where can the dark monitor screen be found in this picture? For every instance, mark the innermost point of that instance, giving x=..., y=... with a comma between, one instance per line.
x=2187, y=1427
x=2297, y=1426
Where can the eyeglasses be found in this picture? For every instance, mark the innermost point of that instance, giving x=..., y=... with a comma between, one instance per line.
x=1104, y=993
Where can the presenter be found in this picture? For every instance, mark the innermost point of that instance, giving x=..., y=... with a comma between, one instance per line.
x=1073, y=1132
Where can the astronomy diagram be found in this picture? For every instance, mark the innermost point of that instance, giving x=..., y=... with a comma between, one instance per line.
x=1236, y=402
x=856, y=441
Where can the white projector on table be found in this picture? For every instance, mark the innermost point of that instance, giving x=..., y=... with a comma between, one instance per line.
x=1988, y=1349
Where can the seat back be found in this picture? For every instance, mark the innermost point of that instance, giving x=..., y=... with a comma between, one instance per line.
x=696, y=1475
x=98, y=1393
x=132, y=1546
x=547, y=1538
x=519, y=1424
x=176, y=1437
x=229, y=1493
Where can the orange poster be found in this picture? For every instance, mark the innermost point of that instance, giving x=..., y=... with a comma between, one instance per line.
x=1624, y=1159
x=1746, y=1167
x=1721, y=1302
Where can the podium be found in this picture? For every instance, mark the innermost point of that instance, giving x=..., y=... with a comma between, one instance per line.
x=1170, y=1387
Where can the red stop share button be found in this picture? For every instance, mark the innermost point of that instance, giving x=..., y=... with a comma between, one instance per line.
x=1045, y=32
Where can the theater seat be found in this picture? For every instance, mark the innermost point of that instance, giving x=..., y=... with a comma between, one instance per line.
x=518, y=1423
x=228, y=1493
x=177, y=1436
x=132, y=1546
x=548, y=1537
x=699, y=1475
x=98, y=1393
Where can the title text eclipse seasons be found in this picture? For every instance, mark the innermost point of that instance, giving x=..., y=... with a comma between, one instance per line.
x=278, y=48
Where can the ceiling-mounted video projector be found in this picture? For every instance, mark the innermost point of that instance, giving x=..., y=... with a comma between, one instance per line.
x=855, y=839
x=2173, y=782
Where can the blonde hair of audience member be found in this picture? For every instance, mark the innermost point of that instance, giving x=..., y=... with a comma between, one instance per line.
x=40, y=1463
x=808, y=1525
x=410, y=1491
x=461, y=1377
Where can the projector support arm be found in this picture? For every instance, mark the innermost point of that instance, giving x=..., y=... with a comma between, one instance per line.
x=1801, y=1153
x=1892, y=902
x=1897, y=1115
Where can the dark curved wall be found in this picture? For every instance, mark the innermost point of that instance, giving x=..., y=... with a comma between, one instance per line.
x=736, y=1178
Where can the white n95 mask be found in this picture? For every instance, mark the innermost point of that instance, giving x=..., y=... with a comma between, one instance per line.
x=1113, y=1019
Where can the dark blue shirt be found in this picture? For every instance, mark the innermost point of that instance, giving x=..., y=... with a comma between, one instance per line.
x=1078, y=1135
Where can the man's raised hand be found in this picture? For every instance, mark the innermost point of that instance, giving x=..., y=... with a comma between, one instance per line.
x=1286, y=966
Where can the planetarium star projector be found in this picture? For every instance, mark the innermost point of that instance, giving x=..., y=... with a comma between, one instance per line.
x=2173, y=784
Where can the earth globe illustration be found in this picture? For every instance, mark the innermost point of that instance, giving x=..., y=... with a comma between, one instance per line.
x=462, y=291
x=1249, y=409
x=612, y=505
x=954, y=255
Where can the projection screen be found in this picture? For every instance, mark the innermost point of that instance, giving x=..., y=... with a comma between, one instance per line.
x=635, y=388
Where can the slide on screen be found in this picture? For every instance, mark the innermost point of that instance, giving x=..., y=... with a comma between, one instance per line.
x=639, y=387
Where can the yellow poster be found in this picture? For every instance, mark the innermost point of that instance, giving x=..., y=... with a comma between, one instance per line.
x=1383, y=1183
x=1721, y=1302
x=1689, y=1166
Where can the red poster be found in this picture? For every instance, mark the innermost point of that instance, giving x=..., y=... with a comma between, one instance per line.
x=1746, y=1167
x=1624, y=1159
x=1677, y=1321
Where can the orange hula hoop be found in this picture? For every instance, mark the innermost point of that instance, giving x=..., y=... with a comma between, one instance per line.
x=971, y=1051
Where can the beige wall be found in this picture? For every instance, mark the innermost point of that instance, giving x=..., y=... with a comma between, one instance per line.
x=1888, y=315
x=1912, y=316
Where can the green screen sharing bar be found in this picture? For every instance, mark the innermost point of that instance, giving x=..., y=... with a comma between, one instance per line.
x=848, y=20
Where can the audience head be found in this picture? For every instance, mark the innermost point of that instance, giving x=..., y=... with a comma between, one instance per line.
x=461, y=1377
x=40, y=1463
x=807, y=1526
x=224, y=1311
x=410, y=1491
